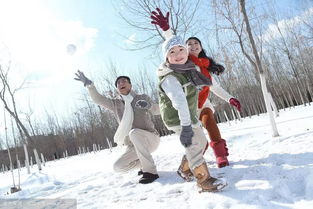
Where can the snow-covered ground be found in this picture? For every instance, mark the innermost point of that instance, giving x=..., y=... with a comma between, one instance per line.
x=265, y=172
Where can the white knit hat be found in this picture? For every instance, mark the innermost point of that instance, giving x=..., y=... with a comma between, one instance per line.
x=170, y=43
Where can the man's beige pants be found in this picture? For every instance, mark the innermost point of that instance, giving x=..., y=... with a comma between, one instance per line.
x=138, y=154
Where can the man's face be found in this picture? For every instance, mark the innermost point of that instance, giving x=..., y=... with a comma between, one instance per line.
x=123, y=86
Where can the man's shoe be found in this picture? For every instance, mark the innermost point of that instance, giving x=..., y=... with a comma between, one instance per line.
x=140, y=172
x=148, y=178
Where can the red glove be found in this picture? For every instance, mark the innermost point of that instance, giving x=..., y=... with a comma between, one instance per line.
x=159, y=19
x=235, y=103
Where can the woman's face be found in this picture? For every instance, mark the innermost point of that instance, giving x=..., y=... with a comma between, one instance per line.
x=177, y=55
x=194, y=47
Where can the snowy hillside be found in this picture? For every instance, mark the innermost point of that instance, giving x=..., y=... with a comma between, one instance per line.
x=265, y=172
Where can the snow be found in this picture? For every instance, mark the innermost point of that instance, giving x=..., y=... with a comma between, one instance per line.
x=265, y=172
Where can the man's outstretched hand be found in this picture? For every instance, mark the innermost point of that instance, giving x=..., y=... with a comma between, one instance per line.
x=81, y=77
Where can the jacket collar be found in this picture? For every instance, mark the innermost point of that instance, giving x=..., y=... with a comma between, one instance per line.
x=163, y=69
x=118, y=96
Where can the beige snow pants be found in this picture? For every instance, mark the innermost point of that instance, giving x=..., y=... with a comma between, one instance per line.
x=138, y=152
x=194, y=152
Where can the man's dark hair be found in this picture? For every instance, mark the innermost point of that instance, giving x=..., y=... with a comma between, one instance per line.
x=122, y=76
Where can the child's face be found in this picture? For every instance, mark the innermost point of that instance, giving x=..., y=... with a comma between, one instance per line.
x=194, y=47
x=177, y=55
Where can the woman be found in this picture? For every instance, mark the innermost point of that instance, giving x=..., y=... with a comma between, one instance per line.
x=198, y=56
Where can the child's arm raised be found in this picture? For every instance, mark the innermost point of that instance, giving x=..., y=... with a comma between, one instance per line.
x=162, y=21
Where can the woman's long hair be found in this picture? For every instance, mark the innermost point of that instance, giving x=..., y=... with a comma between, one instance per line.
x=213, y=67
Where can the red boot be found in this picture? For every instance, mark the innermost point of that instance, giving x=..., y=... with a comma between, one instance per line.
x=221, y=152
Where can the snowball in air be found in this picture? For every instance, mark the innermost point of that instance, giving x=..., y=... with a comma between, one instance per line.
x=71, y=49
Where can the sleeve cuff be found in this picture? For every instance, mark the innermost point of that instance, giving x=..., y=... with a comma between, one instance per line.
x=168, y=34
x=90, y=85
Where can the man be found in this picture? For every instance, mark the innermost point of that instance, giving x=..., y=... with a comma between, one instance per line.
x=136, y=129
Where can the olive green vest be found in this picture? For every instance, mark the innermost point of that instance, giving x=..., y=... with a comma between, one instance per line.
x=168, y=113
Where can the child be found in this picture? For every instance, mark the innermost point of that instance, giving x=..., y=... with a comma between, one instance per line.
x=178, y=83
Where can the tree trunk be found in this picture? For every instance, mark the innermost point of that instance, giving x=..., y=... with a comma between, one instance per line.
x=43, y=159
x=109, y=144
x=268, y=105
x=273, y=105
x=260, y=69
x=26, y=158
x=37, y=160
x=19, y=175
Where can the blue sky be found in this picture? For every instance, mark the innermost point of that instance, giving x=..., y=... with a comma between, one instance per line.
x=103, y=16
x=34, y=35
x=37, y=33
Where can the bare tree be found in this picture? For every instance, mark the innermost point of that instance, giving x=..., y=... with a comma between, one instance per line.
x=136, y=13
x=14, y=188
x=238, y=22
x=28, y=118
x=5, y=93
x=291, y=61
x=7, y=96
x=259, y=67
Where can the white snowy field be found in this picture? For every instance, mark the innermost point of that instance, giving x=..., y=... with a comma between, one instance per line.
x=265, y=172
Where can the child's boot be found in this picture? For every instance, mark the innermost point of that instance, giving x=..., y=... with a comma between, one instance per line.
x=206, y=182
x=184, y=170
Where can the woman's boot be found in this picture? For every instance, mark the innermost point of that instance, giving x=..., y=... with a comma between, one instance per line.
x=221, y=152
